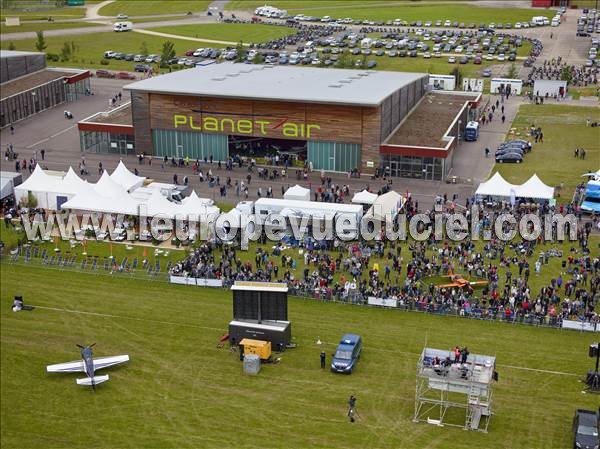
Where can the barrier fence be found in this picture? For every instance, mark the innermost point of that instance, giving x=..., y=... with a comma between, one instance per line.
x=154, y=271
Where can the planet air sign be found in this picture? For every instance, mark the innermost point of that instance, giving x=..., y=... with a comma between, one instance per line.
x=246, y=126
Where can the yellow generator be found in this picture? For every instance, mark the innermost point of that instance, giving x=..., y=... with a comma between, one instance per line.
x=259, y=347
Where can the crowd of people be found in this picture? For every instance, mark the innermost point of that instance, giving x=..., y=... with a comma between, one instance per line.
x=410, y=273
x=557, y=69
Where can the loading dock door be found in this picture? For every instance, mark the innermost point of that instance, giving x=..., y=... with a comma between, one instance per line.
x=334, y=156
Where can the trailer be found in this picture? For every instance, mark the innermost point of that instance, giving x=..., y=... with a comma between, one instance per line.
x=122, y=26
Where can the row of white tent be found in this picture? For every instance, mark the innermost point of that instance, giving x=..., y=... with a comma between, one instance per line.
x=499, y=187
x=112, y=194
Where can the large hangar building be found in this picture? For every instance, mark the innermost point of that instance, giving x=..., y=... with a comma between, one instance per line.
x=337, y=120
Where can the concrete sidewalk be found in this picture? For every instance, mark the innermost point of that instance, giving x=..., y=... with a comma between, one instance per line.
x=470, y=162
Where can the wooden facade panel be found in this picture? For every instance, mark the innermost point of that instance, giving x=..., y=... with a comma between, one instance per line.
x=371, y=135
x=291, y=111
x=140, y=108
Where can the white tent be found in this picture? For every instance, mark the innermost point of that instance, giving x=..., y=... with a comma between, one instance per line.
x=158, y=205
x=364, y=197
x=73, y=184
x=42, y=186
x=127, y=179
x=194, y=206
x=388, y=204
x=535, y=188
x=495, y=186
x=297, y=193
x=106, y=196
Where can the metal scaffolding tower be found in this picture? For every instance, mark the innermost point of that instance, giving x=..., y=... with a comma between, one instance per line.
x=454, y=394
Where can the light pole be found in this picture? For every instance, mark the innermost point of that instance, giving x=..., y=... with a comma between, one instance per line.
x=458, y=132
x=33, y=100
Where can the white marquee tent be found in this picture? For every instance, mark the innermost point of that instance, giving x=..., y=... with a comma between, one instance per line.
x=364, y=197
x=297, y=193
x=127, y=179
x=497, y=186
x=388, y=204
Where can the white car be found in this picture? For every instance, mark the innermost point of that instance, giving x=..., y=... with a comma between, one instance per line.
x=489, y=57
x=459, y=49
x=437, y=54
x=316, y=61
x=427, y=55
x=501, y=57
x=122, y=16
x=492, y=25
x=197, y=52
x=452, y=60
x=447, y=23
x=109, y=54
x=326, y=19
x=518, y=25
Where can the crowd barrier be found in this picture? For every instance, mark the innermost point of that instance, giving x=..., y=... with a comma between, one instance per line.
x=583, y=326
x=198, y=282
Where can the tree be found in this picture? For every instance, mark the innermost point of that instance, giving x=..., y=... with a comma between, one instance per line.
x=457, y=75
x=566, y=75
x=168, y=52
x=240, y=52
x=65, y=52
x=11, y=46
x=512, y=71
x=144, y=48
x=258, y=58
x=40, y=43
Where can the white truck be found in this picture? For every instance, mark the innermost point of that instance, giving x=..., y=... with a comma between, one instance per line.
x=123, y=26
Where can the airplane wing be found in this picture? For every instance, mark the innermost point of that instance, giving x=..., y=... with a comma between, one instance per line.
x=454, y=284
x=105, y=362
x=68, y=367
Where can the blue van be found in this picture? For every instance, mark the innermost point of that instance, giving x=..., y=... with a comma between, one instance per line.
x=472, y=132
x=347, y=354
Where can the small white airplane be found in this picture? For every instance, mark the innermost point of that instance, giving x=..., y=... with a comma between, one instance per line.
x=88, y=364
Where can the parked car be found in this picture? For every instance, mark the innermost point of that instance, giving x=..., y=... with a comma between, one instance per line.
x=515, y=157
x=371, y=64
x=347, y=354
x=142, y=68
x=139, y=58
x=104, y=74
x=477, y=60
x=585, y=429
x=122, y=16
x=463, y=60
x=452, y=60
x=109, y=54
x=126, y=76
x=129, y=57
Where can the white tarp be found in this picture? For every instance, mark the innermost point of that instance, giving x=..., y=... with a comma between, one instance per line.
x=535, y=188
x=200, y=282
x=383, y=302
x=364, y=197
x=297, y=193
x=583, y=326
x=127, y=179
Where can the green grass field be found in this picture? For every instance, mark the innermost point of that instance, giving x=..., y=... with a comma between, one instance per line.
x=91, y=48
x=233, y=32
x=25, y=27
x=564, y=130
x=401, y=10
x=180, y=390
x=42, y=14
x=146, y=8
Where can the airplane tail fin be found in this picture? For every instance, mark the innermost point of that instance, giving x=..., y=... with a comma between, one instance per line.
x=91, y=381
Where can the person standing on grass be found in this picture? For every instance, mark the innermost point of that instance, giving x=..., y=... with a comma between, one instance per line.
x=323, y=359
x=351, y=407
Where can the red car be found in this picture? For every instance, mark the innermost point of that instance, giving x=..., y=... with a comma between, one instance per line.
x=104, y=74
x=477, y=60
x=125, y=76
x=190, y=52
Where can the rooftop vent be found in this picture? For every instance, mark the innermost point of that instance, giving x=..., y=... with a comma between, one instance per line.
x=233, y=74
x=346, y=81
x=218, y=78
x=354, y=77
x=363, y=74
x=335, y=85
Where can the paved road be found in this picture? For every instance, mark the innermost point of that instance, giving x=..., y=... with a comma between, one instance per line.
x=60, y=139
x=186, y=38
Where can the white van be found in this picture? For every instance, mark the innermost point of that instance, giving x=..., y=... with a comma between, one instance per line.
x=366, y=42
x=538, y=20
x=123, y=26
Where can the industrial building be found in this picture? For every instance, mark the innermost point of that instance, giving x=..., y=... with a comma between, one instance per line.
x=330, y=119
x=28, y=87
